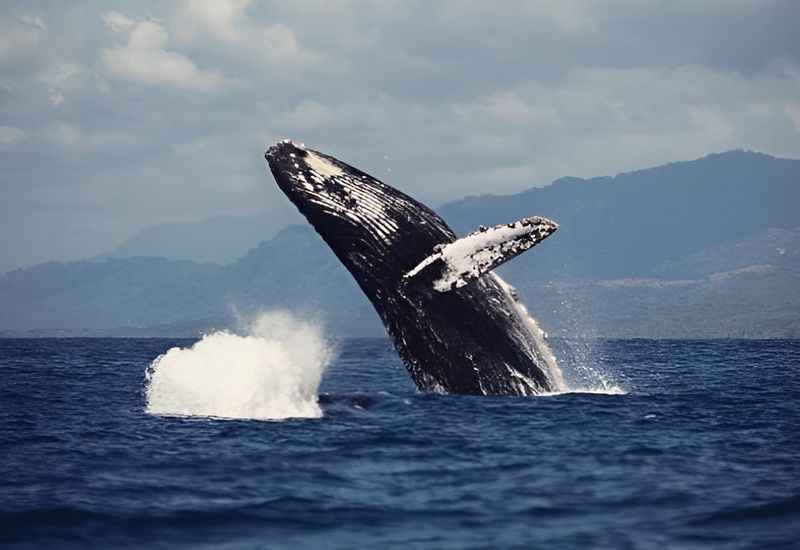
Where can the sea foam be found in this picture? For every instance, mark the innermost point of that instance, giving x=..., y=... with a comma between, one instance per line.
x=271, y=372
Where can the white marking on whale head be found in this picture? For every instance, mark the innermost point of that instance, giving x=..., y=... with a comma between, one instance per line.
x=322, y=166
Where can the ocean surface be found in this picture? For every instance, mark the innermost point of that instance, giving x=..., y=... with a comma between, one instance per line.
x=665, y=444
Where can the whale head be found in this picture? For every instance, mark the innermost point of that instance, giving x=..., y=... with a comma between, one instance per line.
x=311, y=180
x=376, y=231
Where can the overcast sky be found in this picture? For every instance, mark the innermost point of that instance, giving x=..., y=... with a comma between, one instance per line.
x=118, y=115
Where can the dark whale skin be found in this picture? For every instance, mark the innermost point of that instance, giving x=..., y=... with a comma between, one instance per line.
x=474, y=340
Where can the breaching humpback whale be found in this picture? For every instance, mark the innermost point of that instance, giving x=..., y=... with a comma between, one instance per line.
x=458, y=327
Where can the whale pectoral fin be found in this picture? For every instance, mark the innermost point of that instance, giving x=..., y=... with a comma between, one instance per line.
x=456, y=264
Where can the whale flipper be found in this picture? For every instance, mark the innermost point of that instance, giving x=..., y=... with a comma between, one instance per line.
x=456, y=264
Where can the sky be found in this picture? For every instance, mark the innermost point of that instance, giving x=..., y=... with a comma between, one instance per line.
x=115, y=116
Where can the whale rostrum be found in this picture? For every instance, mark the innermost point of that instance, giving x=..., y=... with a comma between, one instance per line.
x=458, y=327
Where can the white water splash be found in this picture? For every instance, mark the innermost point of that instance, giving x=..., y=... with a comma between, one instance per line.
x=544, y=354
x=603, y=387
x=584, y=372
x=272, y=372
x=580, y=356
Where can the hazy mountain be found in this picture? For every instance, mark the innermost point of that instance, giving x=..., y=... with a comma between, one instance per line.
x=147, y=295
x=708, y=248
x=631, y=224
x=755, y=301
x=108, y=293
x=222, y=240
x=772, y=247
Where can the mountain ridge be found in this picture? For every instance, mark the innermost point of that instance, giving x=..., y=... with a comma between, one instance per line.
x=225, y=239
x=668, y=251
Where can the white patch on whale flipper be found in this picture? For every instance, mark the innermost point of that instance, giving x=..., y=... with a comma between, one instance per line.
x=467, y=258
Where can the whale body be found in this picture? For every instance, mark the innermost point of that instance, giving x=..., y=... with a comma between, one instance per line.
x=458, y=327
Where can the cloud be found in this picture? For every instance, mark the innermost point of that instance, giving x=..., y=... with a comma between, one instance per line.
x=118, y=22
x=72, y=137
x=308, y=115
x=56, y=97
x=215, y=17
x=571, y=16
x=793, y=112
x=228, y=24
x=35, y=21
x=20, y=39
x=10, y=135
x=508, y=109
x=614, y=120
x=143, y=59
x=160, y=112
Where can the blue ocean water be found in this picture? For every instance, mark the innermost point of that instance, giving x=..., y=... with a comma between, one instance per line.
x=701, y=452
